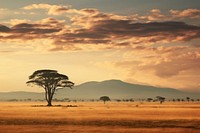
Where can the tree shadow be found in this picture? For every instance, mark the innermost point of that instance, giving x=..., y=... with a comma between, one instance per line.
x=54, y=106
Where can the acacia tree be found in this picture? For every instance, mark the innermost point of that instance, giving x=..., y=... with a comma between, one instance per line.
x=188, y=99
x=104, y=99
x=50, y=81
x=161, y=99
x=149, y=99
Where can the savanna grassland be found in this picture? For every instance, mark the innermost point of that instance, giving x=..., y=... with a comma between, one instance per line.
x=96, y=117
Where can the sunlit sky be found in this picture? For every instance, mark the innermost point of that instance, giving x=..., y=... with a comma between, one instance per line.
x=151, y=42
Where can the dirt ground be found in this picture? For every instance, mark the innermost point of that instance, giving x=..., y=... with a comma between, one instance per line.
x=96, y=117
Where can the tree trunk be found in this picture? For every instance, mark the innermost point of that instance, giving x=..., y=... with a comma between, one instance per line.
x=49, y=98
x=49, y=103
x=104, y=102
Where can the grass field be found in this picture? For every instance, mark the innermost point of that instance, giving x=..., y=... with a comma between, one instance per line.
x=96, y=117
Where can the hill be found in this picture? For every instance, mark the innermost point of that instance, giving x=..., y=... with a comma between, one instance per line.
x=120, y=89
x=20, y=95
x=115, y=89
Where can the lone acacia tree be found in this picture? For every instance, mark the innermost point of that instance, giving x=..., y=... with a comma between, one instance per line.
x=50, y=80
x=104, y=99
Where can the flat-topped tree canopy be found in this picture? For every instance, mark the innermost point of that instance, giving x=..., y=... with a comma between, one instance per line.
x=105, y=98
x=47, y=74
x=50, y=80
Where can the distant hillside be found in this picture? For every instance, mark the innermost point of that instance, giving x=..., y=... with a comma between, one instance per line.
x=120, y=89
x=115, y=89
x=20, y=95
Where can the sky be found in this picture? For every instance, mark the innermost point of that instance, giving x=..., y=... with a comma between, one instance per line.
x=150, y=42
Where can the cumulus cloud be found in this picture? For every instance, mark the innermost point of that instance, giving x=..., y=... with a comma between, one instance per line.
x=52, y=9
x=37, y=6
x=18, y=21
x=4, y=28
x=125, y=33
x=93, y=27
x=24, y=31
x=88, y=17
x=106, y=32
x=60, y=9
x=178, y=15
x=154, y=15
x=187, y=13
x=38, y=29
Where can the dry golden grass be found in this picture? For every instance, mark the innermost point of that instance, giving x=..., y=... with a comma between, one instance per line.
x=90, y=117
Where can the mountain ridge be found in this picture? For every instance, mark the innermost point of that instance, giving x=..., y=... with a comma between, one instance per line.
x=115, y=89
x=120, y=89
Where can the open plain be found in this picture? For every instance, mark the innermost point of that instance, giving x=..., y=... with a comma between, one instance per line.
x=96, y=117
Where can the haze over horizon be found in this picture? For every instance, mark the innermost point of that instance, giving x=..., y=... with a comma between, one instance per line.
x=143, y=42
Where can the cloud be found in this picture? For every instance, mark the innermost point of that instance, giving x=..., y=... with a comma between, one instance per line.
x=37, y=6
x=25, y=30
x=91, y=26
x=187, y=13
x=52, y=9
x=126, y=33
x=130, y=29
x=18, y=21
x=154, y=15
x=157, y=15
x=172, y=61
x=176, y=65
x=94, y=28
x=60, y=9
x=169, y=66
x=4, y=28
x=165, y=62
x=88, y=17
x=108, y=32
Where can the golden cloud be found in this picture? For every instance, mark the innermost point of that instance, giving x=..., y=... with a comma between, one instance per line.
x=52, y=9
x=188, y=13
x=173, y=66
x=94, y=28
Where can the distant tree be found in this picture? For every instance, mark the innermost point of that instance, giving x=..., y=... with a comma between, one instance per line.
x=50, y=81
x=104, y=99
x=188, y=99
x=149, y=99
x=118, y=100
x=178, y=99
x=126, y=100
x=131, y=100
x=92, y=100
x=161, y=99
